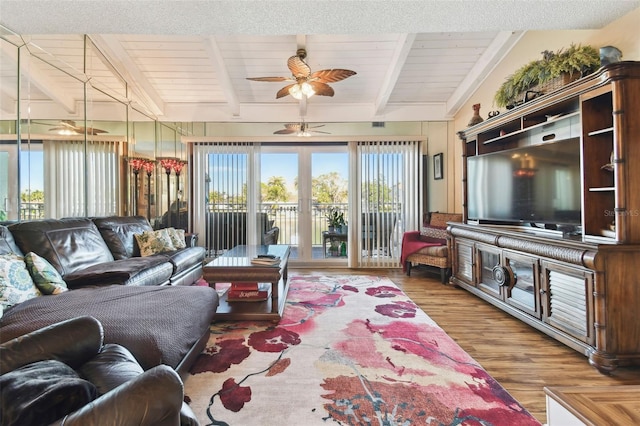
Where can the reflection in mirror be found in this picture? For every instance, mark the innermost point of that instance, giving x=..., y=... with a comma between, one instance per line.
x=9, y=192
x=172, y=161
x=107, y=146
x=142, y=147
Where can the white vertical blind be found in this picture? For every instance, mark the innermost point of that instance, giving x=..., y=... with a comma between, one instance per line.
x=227, y=170
x=388, y=195
x=69, y=166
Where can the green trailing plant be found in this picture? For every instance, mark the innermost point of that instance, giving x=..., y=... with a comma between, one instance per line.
x=576, y=59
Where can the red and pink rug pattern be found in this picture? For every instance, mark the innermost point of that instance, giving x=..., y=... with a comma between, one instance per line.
x=350, y=350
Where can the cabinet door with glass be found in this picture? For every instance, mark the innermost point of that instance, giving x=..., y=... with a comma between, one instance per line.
x=524, y=290
x=488, y=264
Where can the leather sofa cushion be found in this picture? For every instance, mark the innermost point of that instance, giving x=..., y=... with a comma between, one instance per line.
x=69, y=245
x=159, y=325
x=110, y=368
x=118, y=233
x=184, y=259
x=7, y=244
x=42, y=392
x=152, y=270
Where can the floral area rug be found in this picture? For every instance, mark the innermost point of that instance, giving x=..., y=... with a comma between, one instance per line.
x=349, y=350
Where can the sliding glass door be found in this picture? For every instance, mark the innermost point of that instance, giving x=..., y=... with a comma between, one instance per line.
x=300, y=184
x=242, y=189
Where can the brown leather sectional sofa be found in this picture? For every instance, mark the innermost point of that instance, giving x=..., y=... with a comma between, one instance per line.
x=146, y=304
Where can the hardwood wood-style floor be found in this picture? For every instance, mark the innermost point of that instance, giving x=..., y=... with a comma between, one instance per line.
x=522, y=359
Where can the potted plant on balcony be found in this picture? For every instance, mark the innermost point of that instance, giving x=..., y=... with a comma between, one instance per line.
x=335, y=219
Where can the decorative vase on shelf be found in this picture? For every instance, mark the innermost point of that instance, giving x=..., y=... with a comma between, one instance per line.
x=475, y=119
x=609, y=55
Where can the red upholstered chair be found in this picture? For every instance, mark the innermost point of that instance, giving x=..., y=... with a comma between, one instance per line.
x=431, y=245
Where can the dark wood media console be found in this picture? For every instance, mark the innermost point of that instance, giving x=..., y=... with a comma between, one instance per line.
x=577, y=284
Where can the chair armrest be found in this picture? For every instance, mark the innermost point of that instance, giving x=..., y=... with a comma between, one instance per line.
x=72, y=342
x=191, y=239
x=153, y=398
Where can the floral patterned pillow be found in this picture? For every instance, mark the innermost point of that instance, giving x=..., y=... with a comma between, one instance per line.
x=433, y=234
x=16, y=285
x=153, y=242
x=46, y=277
x=177, y=238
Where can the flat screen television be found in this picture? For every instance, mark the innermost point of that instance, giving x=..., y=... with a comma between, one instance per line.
x=538, y=184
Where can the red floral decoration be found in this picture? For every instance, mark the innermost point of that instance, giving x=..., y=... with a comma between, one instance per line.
x=167, y=163
x=178, y=165
x=149, y=166
x=137, y=163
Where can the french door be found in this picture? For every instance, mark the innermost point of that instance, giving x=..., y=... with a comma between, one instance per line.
x=299, y=184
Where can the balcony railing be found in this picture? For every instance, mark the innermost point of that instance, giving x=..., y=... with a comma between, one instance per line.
x=31, y=210
x=285, y=216
x=377, y=235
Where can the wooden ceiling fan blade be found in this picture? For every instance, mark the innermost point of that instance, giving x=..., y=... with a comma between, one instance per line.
x=319, y=131
x=321, y=89
x=332, y=75
x=284, y=91
x=298, y=67
x=284, y=132
x=92, y=131
x=269, y=78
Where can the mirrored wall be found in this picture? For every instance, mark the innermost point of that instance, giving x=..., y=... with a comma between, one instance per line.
x=72, y=141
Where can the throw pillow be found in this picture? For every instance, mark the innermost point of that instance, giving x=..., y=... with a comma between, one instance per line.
x=441, y=219
x=16, y=285
x=153, y=242
x=41, y=393
x=177, y=238
x=45, y=276
x=432, y=234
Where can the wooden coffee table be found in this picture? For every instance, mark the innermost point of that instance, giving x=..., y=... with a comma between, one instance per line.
x=235, y=266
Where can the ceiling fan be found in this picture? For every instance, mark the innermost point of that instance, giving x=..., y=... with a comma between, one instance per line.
x=68, y=127
x=300, y=129
x=305, y=83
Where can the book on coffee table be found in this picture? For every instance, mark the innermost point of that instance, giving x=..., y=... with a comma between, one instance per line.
x=244, y=285
x=267, y=260
x=262, y=292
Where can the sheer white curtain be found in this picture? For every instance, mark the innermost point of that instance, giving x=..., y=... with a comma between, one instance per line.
x=389, y=192
x=82, y=180
x=227, y=172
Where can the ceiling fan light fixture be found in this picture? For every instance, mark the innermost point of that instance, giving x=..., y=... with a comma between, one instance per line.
x=65, y=132
x=301, y=89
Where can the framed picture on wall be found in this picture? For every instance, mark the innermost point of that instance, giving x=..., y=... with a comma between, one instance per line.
x=437, y=166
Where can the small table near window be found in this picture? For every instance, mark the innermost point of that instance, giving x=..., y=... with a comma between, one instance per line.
x=331, y=236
